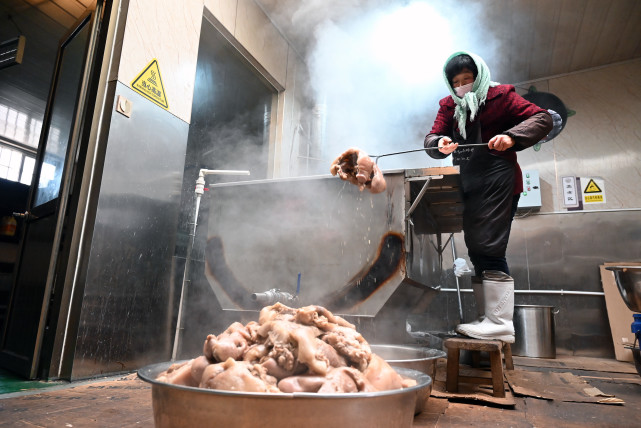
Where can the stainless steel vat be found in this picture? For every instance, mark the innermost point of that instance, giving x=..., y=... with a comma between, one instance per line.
x=534, y=330
x=179, y=406
x=321, y=240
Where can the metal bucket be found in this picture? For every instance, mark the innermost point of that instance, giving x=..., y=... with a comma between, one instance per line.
x=534, y=330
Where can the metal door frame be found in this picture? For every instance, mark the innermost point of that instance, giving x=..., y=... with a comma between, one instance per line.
x=60, y=203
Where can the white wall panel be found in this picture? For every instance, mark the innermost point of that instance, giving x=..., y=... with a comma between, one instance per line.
x=262, y=40
x=224, y=11
x=601, y=140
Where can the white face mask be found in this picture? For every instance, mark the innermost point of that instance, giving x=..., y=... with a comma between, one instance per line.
x=462, y=90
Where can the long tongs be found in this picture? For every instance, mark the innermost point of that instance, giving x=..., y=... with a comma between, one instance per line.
x=377, y=157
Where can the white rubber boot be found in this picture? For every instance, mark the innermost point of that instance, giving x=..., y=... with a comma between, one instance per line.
x=498, y=290
x=477, y=288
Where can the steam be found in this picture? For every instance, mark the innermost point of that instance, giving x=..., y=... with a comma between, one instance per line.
x=239, y=146
x=377, y=69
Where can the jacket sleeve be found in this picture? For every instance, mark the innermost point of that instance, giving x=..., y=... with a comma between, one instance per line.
x=431, y=140
x=442, y=127
x=531, y=130
x=530, y=123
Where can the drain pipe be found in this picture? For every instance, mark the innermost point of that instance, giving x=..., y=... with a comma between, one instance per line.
x=200, y=189
x=560, y=292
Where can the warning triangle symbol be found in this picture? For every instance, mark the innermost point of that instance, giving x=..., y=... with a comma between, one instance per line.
x=149, y=84
x=592, y=187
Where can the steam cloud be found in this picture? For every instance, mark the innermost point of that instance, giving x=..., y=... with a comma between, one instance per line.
x=376, y=67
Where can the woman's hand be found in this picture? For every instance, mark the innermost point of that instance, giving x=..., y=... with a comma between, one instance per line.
x=445, y=145
x=500, y=142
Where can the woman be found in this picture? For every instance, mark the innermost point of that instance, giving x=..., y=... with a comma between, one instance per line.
x=481, y=111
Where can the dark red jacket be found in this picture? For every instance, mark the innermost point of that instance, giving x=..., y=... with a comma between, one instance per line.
x=504, y=112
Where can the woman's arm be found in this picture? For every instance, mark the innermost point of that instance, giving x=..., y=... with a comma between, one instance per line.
x=531, y=130
x=528, y=123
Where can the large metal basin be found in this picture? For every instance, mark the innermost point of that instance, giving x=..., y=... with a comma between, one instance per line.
x=181, y=406
x=414, y=358
x=628, y=279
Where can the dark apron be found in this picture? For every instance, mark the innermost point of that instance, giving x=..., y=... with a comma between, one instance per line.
x=488, y=188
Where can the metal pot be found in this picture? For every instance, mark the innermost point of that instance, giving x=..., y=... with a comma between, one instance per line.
x=534, y=331
x=179, y=406
x=414, y=358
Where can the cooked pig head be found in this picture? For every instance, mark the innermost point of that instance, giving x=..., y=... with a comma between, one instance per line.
x=355, y=166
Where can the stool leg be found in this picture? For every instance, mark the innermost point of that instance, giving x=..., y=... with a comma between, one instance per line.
x=497, y=373
x=451, y=379
x=507, y=352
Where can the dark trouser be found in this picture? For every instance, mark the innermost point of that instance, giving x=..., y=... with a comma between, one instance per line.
x=484, y=262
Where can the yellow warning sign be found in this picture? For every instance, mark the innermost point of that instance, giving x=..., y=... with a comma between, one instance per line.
x=149, y=84
x=593, y=190
x=592, y=187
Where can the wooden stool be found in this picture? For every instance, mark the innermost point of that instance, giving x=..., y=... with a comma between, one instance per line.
x=493, y=347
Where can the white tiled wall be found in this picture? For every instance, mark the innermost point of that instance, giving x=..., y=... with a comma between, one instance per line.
x=169, y=31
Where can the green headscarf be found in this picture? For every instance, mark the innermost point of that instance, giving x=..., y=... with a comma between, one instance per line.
x=473, y=99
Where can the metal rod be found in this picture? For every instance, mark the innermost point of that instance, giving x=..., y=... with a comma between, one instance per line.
x=560, y=292
x=458, y=287
x=376, y=157
x=419, y=197
x=183, y=289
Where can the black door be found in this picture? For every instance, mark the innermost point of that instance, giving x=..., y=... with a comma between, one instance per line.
x=56, y=163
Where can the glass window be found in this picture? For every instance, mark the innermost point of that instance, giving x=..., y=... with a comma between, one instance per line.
x=5, y=156
x=27, y=170
x=16, y=165
x=63, y=110
x=19, y=126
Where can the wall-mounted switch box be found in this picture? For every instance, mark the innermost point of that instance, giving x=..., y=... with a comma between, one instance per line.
x=531, y=196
